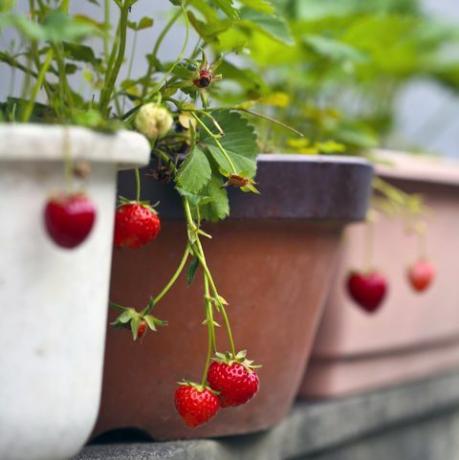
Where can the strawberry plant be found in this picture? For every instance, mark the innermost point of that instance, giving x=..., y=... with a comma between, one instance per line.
x=74, y=73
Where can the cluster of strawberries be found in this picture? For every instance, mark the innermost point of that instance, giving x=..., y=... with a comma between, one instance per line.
x=70, y=218
x=231, y=380
x=368, y=289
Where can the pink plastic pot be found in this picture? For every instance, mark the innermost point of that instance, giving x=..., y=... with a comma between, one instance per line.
x=413, y=334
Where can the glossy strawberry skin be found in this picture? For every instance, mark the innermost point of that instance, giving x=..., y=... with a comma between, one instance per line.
x=368, y=290
x=234, y=382
x=135, y=225
x=69, y=219
x=421, y=275
x=194, y=406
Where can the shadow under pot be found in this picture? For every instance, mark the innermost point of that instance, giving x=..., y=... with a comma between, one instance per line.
x=271, y=260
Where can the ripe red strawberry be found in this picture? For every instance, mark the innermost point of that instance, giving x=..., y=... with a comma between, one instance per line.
x=421, y=275
x=69, y=219
x=234, y=378
x=195, y=403
x=136, y=224
x=367, y=289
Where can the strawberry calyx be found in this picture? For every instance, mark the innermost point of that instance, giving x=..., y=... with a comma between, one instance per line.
x=123, y=201
x=241, y=181
x=137, y=321
x=197, y=386
x=229, y=358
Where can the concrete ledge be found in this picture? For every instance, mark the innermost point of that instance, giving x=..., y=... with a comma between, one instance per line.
x=315, y=428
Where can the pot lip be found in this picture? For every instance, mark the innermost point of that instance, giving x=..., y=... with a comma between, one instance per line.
x=416, y=168
x=44, y=142
x=319, y=159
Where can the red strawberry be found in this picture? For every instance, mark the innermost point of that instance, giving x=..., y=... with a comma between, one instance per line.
x=421, y=275
x=195, y=403
x=141, y=329
x=234, y=378
x=367, y=289
x=69, y=219
x=136, y=224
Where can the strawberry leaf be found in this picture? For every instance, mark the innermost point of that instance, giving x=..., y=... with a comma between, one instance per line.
x=239, y=141
x=218, y=207
x=194, y=173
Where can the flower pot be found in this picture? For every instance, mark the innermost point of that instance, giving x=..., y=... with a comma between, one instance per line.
x=53, y=300
x=413, y=334
x=272, y=261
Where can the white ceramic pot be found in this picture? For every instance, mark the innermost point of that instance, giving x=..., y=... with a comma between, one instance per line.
x=53, y=302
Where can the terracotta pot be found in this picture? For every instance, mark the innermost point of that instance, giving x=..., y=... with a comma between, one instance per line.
x=412, y=335
x=272, y=260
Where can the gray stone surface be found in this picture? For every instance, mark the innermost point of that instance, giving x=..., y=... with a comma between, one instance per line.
x=434, y=439
x=414, y=421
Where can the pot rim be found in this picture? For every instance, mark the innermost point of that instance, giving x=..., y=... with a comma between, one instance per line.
x=314, y=188
x=417, y=168
x=42, y=142
x=320, y=159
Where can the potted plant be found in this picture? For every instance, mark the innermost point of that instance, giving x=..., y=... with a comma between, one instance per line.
x=203, y=163
x=413, y=331
x=59, y=160
x=338, y=84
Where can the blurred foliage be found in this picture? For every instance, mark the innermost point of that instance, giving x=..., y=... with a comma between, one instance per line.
x=338, y=80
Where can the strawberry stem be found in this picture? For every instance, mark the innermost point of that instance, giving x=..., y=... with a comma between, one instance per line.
x=369, y=239
x=68, y=163
x=174, y=277
x=137, y=184
x=217, y=142
x=210, y=329
x=195, y=244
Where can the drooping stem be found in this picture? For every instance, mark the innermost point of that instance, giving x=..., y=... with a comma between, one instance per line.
x=369, y=241
x=420, y=229
x=199, y=253
x=68, y=163
x=137, y=184
x=174, y=277
x=210, y=330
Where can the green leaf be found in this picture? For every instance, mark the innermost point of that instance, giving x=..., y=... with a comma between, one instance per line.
x=333, y=49
x=145, y=23
x=218, y=207
x=81, y=53
x=239, y=141
x=125, y=317
x=270, y=24
x=208, y=31
x=227, y=7
x=194, y=172
x=192, y=268
x=135, y=322
x=60, y=27
x=263, y=6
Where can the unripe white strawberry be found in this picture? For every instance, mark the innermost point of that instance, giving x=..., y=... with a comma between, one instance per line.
x=153, y=120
